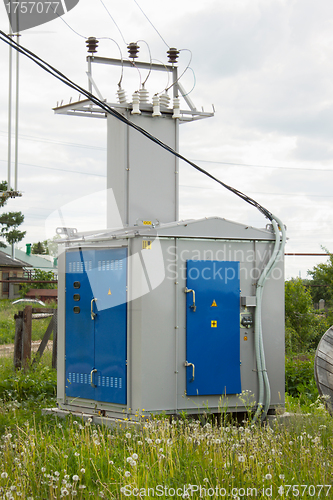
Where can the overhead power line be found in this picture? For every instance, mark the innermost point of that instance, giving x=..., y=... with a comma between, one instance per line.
x=60, y=76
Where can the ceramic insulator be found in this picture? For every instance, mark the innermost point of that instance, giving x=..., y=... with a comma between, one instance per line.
x=136, y=104
x=122, y=98
x=156, y=106
x=144, y=96
x=176, y=108
x=164, y=100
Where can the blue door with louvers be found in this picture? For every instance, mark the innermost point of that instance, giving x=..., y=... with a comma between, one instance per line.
x=212, y=328
x=96, y=324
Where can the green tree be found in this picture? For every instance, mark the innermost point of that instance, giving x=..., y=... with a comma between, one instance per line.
x=9, y=221
x=304, y=327
x=321, y=284
x=39, y=276
x=40, y=248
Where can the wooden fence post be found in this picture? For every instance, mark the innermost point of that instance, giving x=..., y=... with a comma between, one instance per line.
x=18, y=340
x=26, y=340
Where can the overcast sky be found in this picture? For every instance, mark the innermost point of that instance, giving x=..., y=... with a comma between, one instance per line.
x=267, y=67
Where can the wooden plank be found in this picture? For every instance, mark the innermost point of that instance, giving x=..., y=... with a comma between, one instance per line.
x=42, y=310
x=329, y=334
x=325, y=378
x=326, y=340
x=324, y=355
x=322, y=364
x=44, y=341
x=18, y=340
x=26, y=341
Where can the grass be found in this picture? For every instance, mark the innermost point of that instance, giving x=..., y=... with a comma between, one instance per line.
x=7, y=321
x=43, y=457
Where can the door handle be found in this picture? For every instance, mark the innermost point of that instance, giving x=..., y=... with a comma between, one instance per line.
x=193, y=306
x=193, y=369
x=93, y=315
x=91, y=377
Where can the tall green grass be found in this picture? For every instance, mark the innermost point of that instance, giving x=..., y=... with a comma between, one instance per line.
x=42, y=457
x=7, y=321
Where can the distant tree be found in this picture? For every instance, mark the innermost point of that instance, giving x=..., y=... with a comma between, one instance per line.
x=40, y=248
x=9, y=221
x=39, y=276
x=321, y=284
x=304, y=328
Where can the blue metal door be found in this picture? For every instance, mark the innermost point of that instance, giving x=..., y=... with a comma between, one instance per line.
x=96, y=324
x=212, y=328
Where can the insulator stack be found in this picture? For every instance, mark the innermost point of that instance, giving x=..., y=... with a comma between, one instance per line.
x=144, y=96
x=92, y=43
x=176, y=108
x=133, y=49
x=156, y=106
x=121, y=94
x=136, y=104
x=173, y=55
x=164, y=100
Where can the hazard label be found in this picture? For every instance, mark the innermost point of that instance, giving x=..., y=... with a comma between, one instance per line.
x=213, y=324
x=109, y=292
x=146, y=245
x=214, y=304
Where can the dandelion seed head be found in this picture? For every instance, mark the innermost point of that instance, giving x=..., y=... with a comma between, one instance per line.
x=75, y=477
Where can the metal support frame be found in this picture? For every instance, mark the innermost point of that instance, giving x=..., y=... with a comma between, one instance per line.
x=87, y=108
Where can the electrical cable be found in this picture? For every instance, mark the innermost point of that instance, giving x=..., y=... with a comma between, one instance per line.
x=183, y=73
x=103, y=105
x=159, y=34
x=264, y=387
x=114, y=22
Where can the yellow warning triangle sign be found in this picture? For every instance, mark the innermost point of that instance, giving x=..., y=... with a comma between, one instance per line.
x=109, y=292
x=214, y=304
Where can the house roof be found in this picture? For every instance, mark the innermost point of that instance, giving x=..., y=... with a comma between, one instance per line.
x=35, y=261
x=7, y=261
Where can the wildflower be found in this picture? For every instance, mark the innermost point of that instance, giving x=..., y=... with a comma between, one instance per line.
x=281, y=476
x=83, y=471
x=75, y=477
x=4, y=475
x=128, y=435
x=82, y=486
x=268, y=476
x=127, y=473
x=64, y=492
x=135, y=456
x=158, y=441
x=43, y=469
x=111, y=462
x=241, y=458
x=57, y=473
x=77, y=454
